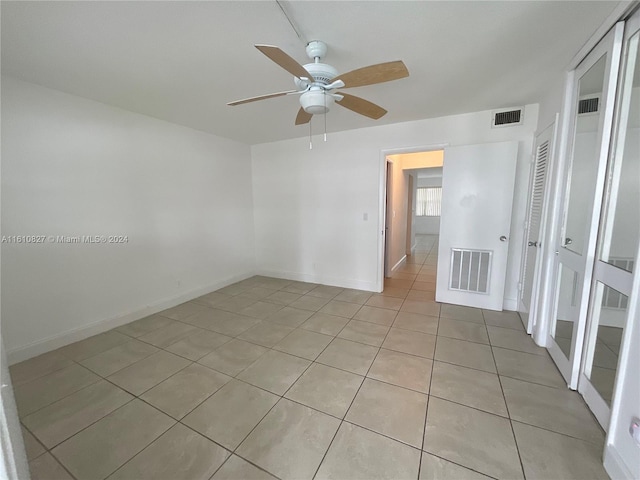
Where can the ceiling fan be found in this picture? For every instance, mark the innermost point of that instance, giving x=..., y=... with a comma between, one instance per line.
x=317, y=82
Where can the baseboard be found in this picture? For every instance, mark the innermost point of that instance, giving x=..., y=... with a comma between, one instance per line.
x=34, y=349
x=510, y=304
x=614, y=464
x=321, y=279
x=399, y=264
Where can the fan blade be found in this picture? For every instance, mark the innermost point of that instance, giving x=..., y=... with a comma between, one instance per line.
x=262, y=97
x=285, y=61
x=361, y=106
x=303, y=117
x=379, y=73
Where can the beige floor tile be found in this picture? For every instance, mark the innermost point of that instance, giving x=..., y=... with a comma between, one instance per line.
x=93, y=345
x=237, y=303
x=392, y=411
x=364, y=332
x=424, y=286
x=290, y=317
x=144, y=325
x=102, y=448
x=64, y=418
x=106, y=363
x=503, y=319
x=32, y=446
x=359, y=454
x=183, y=311
x=381, y=316
x=231, y=413
x=422, y=295
x=557, y=409
x=225, y=323
x=233, y=357
x=274, y=371
x=179, y=454
x=147, y=373
x=37, y=367
x=326, y=389
x=165, y=336
x=346, y=355
x=414, y=343
x=211, y=299
x=282, y=298
x=238, y=469
x=353, y=296
x=265, y=333
x=232, y=290
x=528, y=367
x=395, y=292
x=182, y=392
x=303, y=343
x=323, y=323
x=45, y=467
x=46, y=390
x=310, y=302
x=400, y=369
x=260, y=293
x=514, y=340
x=301, y=288
x=548, y=455
x=477, y=440
x=421, y=307
x=458, y=312
x=469, y=387
x=409, y=268
x=340, y=309
x=260, y=310
x=197, y=344
x=464, y=353
x=397, y=283
x=325, y=291
x=462, y=330
x=416, y=322
x=436, y=468
x=290, y=441
x=384, y=301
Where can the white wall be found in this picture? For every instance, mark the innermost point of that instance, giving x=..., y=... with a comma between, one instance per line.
x=309, y=204
x=72, y=166
x=428, y=225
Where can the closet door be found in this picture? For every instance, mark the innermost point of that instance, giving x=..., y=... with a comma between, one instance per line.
x=618, y=241
x=592, y=114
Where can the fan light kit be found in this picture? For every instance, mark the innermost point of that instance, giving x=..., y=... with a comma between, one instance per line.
x=317, y=83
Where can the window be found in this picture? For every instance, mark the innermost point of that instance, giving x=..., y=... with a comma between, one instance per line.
x=428, y=201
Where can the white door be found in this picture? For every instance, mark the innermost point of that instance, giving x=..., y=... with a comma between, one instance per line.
x=612, y=292
x=592, y=117
x=477, y=195
x=533, y=244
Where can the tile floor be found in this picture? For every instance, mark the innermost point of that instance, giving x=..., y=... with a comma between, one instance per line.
x=269, y=378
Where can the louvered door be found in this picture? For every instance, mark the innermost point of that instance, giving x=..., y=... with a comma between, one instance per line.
x=534, y=217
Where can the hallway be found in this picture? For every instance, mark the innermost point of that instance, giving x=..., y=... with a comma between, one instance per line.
x=274, y=378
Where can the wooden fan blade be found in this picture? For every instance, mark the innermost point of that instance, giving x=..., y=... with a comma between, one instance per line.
x=379, y=73
x=285, y=61
x=262, y=97
x=303, y=117
x=361, y=106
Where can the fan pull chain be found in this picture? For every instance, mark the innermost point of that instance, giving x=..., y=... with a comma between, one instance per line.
x=310, y=140
x=325, y=115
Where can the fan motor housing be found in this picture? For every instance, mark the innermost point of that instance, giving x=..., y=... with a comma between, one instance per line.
x=322, y=73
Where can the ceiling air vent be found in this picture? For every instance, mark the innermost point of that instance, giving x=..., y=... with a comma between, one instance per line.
x=507, y=117
x=588, y=105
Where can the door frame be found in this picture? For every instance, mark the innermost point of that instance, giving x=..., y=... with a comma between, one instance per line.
x=382, y=192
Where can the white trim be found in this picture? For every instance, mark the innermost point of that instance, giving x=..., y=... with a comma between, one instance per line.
x=618, y=13
x=399, y=264
x=614, y=465
x=74, y=335
x=510, y=304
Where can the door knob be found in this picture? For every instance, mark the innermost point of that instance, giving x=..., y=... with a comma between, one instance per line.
x=568, y=241
x=533, y=244
x=503, y=238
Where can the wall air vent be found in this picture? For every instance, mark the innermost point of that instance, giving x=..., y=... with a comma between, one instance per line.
x=507, y=117
x=588, y=105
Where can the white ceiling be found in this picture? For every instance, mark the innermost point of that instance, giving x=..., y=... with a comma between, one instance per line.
x=183, y=61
